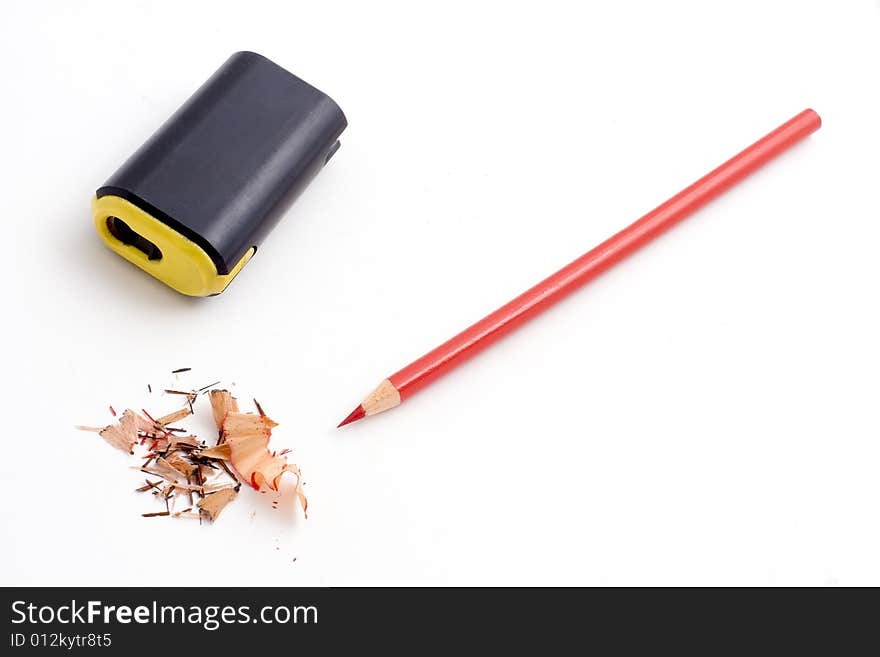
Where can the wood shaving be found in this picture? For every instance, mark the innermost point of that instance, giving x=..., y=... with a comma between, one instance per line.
x=209, y=477
x=222, y=403
x=174, y=417
x=184, y=441
x=214, y=503
x=123, y=434
x=248, y=438
x=182, y=465
x=167, y=475
x=217, y=452
x=164, y=469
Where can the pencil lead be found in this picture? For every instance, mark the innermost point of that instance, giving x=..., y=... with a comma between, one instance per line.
x=354, y=416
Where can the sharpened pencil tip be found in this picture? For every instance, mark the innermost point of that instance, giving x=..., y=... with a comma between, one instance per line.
x=354, y=416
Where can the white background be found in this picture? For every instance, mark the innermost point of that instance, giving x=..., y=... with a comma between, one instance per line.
x=705, y=413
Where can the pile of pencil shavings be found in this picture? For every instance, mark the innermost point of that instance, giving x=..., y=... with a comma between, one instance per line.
x=209, y=477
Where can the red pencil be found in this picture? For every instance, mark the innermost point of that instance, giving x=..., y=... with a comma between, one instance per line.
x=418, y=374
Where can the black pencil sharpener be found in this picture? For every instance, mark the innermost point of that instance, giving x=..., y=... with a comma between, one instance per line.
x=192, y=205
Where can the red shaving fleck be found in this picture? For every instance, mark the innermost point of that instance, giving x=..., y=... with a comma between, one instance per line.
x=152, y=419
x=254, y=480
x=112, y=412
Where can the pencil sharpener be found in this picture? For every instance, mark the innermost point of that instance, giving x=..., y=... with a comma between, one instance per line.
x=192, y=205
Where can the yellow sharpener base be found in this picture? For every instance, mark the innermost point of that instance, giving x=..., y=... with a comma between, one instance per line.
x=182, y=265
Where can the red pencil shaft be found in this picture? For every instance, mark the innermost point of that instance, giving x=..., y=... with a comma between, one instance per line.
x=485, y=332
